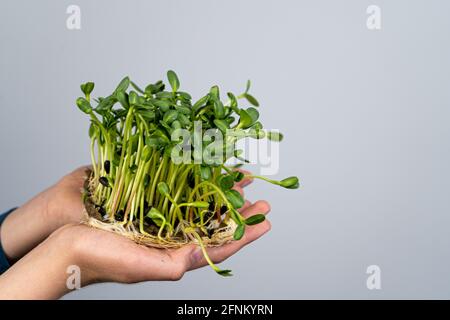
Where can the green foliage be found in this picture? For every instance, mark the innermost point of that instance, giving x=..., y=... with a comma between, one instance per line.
x=136, y=181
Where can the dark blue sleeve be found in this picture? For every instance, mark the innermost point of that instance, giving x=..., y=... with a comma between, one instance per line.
x=4, y=264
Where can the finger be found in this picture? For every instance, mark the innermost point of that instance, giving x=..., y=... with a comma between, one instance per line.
x=251, y=233
x=239, y=189
x=219, y=254
x=246, y=181
x=260, y=206
x=81, y=171
x=181, y=260
x=77, y=177
x=246, y=205
x=191, y=256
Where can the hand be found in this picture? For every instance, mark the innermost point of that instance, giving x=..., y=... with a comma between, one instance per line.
x=34, y=221
x=53, y=208
x=111, y=257
x=105, y=256
x=64, y=202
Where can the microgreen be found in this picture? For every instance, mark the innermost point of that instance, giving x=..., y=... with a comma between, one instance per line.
x=137, y=183
x=255, y=219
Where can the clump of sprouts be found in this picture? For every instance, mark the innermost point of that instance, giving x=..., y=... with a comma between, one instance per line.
x=147, y=185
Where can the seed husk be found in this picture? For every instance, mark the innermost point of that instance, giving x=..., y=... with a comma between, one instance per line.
x=107, y=166
x=104, y=181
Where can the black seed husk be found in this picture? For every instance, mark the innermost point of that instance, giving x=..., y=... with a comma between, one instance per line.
x=107, y=166
x=104, y=181
x=119, y=215
x=102, y=211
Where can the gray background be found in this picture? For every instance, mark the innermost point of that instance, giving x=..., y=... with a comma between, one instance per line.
x=365, y=115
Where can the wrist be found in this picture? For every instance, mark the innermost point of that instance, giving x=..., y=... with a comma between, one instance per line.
x=26, y=227
x=47, y=265
x=69, y=244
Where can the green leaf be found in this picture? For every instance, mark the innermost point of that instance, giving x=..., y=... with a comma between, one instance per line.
x=163, y=188
x=257, y=125
x=238, y=176
x=235, y=198
x=164, y=95
x=173, y=80
x=84, y=105
x=255, y=219
x=170, y=116
x=219, y=110
x=290, y=183
x=251, y=99
x=176, y=125
x=214, y=93
x=164, y=105
x=184, y=95
x=275, y=136
x=150, y=89
x=147, y=114
x=233, y=102
x=225, y=182
x=222, y=125
x=200, y=103
x=205, y=173
x=136, y=87
x=146, y=153
x=122, y=97
x=92, y=130
x=133, y=98
x=183, y=120
x=239, y=232
x=157, y=139
x=245, y=120
x=183, y=109
x=224, y=273
x=87, y=88
x=254, y=114
x=230, y=120
x=123, y=85
x=248, y=85
x=156, y=216
x=106, y=104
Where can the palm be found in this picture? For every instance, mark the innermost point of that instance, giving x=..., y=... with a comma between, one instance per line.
x=112, y=257
x=125, y=261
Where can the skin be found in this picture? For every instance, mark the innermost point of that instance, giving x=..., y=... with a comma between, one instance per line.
x=45, y=237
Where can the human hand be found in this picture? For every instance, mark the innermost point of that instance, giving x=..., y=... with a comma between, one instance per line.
x=53, y=208
x=31, y=223
x=105, y=256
